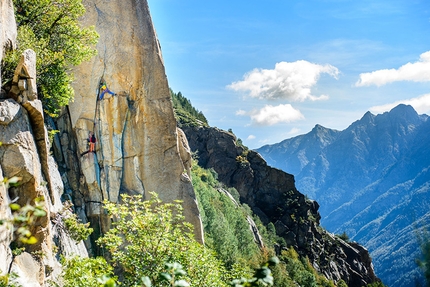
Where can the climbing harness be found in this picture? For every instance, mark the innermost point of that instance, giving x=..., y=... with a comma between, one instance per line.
x=103, y=89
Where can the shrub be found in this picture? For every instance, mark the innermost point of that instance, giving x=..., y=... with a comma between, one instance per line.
x=147, y=234
x=72, y=225
x=85, y=272
x=52, y=30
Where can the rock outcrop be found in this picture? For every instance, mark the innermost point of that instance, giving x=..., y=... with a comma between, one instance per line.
x=24, y=155
x=20, y=157
x=138, y=147
x=272, y=195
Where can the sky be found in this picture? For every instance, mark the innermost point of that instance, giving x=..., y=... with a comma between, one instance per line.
x=273, y=69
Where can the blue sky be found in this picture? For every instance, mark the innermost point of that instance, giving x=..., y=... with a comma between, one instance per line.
x=272, y=69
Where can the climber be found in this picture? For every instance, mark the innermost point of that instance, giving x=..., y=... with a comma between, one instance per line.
x=92, y=141
x=104, y=89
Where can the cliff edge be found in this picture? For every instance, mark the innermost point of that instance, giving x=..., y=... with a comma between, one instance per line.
x=272, y=195
x=122, y=96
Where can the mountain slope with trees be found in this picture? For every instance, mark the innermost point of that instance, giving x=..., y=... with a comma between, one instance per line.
x=372, y=181
x=273, y=197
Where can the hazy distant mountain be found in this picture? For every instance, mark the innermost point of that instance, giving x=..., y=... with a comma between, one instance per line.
x=372, y=181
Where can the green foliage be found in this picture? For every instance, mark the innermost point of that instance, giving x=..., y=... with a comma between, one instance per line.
x=23, y=218
x=227, y=232
x=301, y=271
x=17, y=251
x=9, y=280
x=242, y=161
x=185, y=113
x=343, y=236
x=74, y=227
x=52, y=30
x=51, y=135
x=174, y=271
x=240, y=144
x=262, y=276
x=87, y=272
x=226, y=228
x=147, y=234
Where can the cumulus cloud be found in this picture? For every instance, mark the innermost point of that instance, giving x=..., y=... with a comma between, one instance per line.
x=287, y=81
x=270, y=115
x=250, y=137
x=421, y=104
x=414, y=72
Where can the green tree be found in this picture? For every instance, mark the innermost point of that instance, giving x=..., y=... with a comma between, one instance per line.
x=85, y=272
x=225, y=224
x=185, y=113
x=52, y=30
x=147, y=234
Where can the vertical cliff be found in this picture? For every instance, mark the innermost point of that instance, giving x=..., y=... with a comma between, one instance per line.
x=24, y=155
x=138, y=147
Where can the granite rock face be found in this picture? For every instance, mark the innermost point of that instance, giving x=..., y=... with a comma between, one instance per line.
x=272, y=195
x=20, y=156
x=138, y=148
x=24, y=154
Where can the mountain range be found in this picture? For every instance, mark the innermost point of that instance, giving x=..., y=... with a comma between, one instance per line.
x=372, y=181
x=54, y=188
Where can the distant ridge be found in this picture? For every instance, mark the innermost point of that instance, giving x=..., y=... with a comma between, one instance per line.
x=300, y=149
x=372, y=181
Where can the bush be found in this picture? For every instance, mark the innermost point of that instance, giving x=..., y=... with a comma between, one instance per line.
x=85, y=272
x=52, y=30
x=147, y=234
x=73, y=226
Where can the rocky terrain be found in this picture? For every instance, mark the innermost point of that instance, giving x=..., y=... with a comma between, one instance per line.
x=372, y=182
x=24, y=154
x=138, y=146
x=138, y=149
x=272, y=195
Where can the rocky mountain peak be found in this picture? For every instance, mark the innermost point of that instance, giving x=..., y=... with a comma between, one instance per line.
x=367, y=181
x=323, y=134
x=403, y=111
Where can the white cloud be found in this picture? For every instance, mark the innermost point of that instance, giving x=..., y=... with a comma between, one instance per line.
x=421, y=104
x=240, y=113
x=288, y=80
x=271, y=115
x=414, y=72
x=250, y=137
